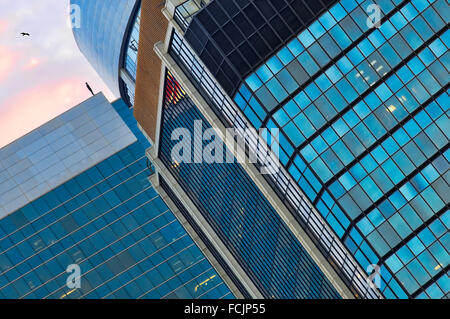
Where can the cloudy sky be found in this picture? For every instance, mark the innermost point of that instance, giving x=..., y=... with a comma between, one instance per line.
x=43, y=75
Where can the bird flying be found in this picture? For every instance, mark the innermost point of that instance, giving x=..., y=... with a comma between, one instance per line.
x=25, y=34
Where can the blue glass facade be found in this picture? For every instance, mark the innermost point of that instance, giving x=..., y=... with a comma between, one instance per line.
x=185, y=11
x=240, y=215
x=364, y=125
x=133, y=47
x=233, y=37
x=340, y=258
x=111, y=222
x=103, y=29
x=130, y=61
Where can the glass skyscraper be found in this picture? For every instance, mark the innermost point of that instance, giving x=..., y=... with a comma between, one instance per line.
x=76, y=191
x=362, y=108
x=245, y=222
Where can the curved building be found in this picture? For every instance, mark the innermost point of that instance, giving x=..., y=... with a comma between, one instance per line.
x=108, y=36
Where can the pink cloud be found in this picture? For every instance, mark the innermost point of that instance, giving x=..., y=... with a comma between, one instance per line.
x=32, y=63
x=3, y=26
x=34, y=107
x=43, y=75
x=8, y=60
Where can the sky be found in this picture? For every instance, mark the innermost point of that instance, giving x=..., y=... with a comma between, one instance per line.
x=43, y=75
